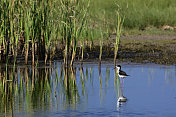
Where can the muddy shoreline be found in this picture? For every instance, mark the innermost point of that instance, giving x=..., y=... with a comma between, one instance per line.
x=159, y=49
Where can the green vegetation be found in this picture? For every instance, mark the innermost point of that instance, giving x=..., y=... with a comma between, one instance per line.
x=33, y=30
x=138, y=13
x=118, y=34
x=26, y=28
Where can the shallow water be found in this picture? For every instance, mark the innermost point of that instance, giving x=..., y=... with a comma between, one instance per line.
x=88, y=90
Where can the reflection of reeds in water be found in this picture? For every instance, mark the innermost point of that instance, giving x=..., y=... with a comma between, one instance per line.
x=90, y=74
x=36, y=87
x=101, y=91
x=169, y=74
x=107, y=76
x=70, y=86
x=6, y=91
x=82, y=80
x=117, y=84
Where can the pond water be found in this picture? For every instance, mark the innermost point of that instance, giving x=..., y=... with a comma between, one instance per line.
x=88, y=90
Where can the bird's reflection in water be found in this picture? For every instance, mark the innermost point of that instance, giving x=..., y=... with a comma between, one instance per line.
x=120, y=104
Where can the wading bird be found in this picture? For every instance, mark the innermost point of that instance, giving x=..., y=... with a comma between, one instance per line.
x=121, y=75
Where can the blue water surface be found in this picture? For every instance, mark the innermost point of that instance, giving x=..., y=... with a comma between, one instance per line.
x=90, y=90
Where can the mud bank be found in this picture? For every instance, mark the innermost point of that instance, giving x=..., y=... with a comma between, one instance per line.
x=159, y=49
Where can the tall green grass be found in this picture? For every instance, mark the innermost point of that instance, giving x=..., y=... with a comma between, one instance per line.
x=29, y=22
x=73, y=17
x=138, y=13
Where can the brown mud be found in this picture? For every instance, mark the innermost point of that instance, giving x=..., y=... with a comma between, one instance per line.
x=159, y=49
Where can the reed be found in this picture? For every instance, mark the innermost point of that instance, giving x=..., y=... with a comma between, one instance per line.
x=27, y=30
x=101, y=47
x=118, y=34
x=29, y=25
x=73, y=20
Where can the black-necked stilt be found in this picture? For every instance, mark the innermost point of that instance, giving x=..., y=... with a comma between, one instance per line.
x=121, y=73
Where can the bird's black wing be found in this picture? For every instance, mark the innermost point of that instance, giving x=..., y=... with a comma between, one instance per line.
x=123, y=73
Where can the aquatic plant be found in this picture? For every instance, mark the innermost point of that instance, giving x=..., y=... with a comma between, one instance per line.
x=118, y=34
x=101, y=47
x=25, y=29
x=73, y=19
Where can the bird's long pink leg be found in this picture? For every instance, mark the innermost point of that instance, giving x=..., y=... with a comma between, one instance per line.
x=123, y=87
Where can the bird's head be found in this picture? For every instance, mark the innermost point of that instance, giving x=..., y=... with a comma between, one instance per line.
x=118, y=67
